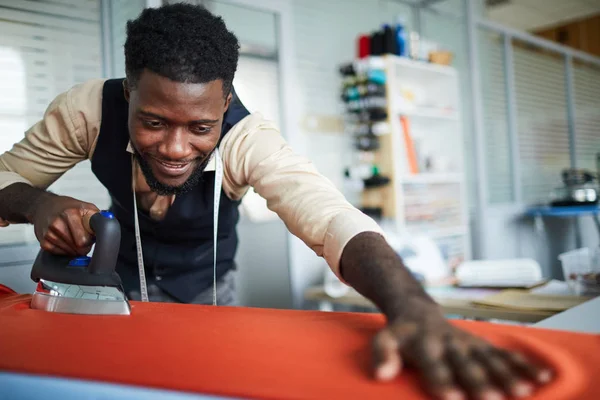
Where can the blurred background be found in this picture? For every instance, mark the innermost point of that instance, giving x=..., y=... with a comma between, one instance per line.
x=459, y=125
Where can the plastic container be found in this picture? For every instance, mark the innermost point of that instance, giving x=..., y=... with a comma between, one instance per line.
x=401, y=37
x=581, y=269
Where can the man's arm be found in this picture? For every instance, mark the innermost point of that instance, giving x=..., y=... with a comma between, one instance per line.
x=314, y=210
x=374, y=269
x=65, y=136
x=255, y=154
x=19, y=201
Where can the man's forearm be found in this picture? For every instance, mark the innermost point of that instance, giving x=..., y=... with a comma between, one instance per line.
x=374, y=269
x=19, y=200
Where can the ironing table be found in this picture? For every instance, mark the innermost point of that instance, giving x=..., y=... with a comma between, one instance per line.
x=179, y=351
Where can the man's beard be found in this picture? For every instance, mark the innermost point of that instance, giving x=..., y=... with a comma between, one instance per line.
x=166, y=190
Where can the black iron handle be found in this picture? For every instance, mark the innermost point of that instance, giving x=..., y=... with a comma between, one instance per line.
x=107, y=230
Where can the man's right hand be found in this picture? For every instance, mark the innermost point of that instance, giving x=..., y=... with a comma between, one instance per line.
x=59, y=227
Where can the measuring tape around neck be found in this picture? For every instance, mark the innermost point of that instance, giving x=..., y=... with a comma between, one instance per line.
x=138, y=239
x=216, y=203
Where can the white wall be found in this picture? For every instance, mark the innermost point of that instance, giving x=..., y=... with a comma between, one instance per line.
x=120, y=11
x=252, y=27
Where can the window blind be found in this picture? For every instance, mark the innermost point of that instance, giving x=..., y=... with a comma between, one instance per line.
x=542, y=121
x=496, y=131
x=542, y=130
x=46, y=47
x=586, y=80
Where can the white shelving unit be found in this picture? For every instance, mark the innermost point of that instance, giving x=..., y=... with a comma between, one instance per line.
x=432, y=199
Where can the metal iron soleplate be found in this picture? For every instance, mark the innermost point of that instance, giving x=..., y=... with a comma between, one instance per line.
x=79, y=299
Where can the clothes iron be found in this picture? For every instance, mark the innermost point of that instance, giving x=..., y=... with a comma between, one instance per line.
x=83, y=285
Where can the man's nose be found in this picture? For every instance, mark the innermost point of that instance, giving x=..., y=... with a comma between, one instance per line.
x=175, y=145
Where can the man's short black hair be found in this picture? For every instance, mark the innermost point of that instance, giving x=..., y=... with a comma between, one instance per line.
x=182, y=42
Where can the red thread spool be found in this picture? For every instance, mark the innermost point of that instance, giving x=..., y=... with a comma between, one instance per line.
x=364, y=46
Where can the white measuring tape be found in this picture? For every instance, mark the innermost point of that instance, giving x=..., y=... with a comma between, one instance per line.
x=216, y=203
x=138, y=239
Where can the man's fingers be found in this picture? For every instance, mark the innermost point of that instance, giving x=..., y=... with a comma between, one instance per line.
x=439, y=382
x=524, y=367
x=58, y=242
x=386, y=349
x=424, y=350
x=59, y=228
x=86, y=211
x=51, y=248
x=470, y=373
x=386, y=356
x=502, y=373
x=427, y=354
x=81, y=238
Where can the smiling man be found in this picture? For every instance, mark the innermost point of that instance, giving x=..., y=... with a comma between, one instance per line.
x=152, y=140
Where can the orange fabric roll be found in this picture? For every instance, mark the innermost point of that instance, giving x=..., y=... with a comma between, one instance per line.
x=250, y=352
x=6, y=290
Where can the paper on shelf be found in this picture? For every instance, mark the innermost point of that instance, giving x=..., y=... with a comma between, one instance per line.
x=525, y=300
x=554, y=287
x=457, y=293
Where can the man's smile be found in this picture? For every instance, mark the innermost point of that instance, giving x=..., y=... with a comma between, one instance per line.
x=170, y=168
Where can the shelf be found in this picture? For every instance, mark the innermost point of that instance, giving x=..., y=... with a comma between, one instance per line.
x=569, y=211
x=427, y=177
x=423, y=66
x=429, y=113
x=430, y=203
x=378, y=62
x=437, y=233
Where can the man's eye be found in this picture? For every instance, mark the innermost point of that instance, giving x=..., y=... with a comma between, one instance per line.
x=153, y=124
x=201, y=129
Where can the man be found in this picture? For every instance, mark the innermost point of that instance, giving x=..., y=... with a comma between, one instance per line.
x=160, y=128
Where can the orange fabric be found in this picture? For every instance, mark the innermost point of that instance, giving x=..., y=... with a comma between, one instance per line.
x=256, y=353
x=6, y=290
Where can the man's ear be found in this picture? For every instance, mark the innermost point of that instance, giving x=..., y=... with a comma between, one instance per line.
x=126, y=92
x=227, y=101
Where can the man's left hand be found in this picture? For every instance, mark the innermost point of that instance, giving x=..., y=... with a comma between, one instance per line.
x=452, y=363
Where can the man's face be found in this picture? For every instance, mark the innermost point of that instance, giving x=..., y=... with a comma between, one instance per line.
x=174, y=128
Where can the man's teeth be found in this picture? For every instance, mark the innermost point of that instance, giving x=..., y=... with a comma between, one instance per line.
x=173, y=165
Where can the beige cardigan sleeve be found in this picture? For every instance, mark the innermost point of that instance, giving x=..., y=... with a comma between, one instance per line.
x=65, y=135
x=255, y=154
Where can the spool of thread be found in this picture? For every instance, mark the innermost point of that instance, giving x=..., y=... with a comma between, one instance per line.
x=377, y=43
x=390, y=45
x=364, y=46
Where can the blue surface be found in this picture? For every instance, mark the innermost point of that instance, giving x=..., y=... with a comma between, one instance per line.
x=574, y=211
x=33, y=387
x=107, y=214
x=82, y=261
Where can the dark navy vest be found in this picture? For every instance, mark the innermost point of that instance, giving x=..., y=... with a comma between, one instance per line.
x=178, y=251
